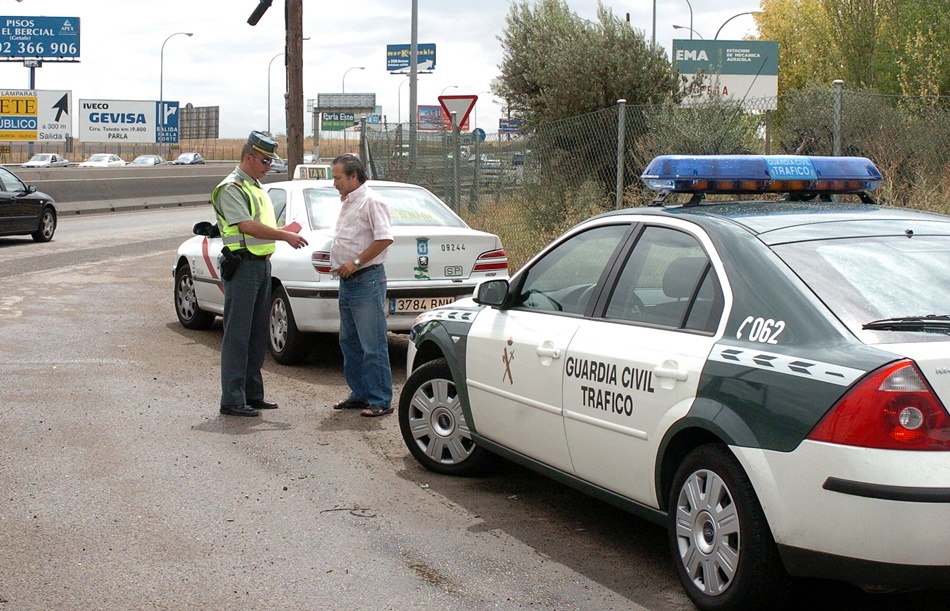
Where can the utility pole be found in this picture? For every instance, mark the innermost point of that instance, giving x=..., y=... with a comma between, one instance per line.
x=293, y=101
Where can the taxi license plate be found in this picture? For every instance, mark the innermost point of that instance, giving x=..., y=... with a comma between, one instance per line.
x=415, y=305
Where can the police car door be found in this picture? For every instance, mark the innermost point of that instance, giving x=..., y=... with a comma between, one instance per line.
x=633, y=369
x=515, y=356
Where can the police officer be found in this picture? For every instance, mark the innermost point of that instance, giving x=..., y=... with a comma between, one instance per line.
x=249, y=230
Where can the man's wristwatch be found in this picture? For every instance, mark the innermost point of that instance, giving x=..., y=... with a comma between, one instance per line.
x=357, y=262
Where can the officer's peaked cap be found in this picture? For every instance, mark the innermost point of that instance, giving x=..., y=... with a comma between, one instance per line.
x=262, y=143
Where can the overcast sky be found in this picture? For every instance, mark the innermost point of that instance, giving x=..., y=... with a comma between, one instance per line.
x=225, y=63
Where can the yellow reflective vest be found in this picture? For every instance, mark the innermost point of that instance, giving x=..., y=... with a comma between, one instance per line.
x=261, y=210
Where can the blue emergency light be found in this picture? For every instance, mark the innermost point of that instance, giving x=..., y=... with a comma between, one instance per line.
x=761, y=174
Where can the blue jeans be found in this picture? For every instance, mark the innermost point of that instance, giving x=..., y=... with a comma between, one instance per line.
x=363, y=337
x=246, y=332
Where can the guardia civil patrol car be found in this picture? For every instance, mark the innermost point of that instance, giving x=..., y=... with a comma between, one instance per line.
x=768, y=378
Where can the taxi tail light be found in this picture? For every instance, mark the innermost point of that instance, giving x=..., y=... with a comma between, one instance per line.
x=321, y=262
x=891, y=409
x=491, y=261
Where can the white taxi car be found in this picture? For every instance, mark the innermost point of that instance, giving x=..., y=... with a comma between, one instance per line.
x=767, y=378
x=435, y=259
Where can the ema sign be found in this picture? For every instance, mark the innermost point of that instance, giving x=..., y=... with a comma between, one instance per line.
x=737, y=70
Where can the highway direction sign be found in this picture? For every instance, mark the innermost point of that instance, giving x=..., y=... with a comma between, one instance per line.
x=32, y=115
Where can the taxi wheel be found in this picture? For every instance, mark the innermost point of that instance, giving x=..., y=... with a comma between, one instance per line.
x=288, y=345
x=44, y=233
x=434, y=426
x=186, y=302
x=720, y=540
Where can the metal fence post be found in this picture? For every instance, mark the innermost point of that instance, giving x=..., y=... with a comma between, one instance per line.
x=621, y=132
x=836, y=128
x=456, y=153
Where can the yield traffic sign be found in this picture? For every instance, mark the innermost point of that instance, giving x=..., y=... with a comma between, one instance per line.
x=461, y=105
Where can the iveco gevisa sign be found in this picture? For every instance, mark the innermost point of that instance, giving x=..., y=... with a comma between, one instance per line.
x=127, y=121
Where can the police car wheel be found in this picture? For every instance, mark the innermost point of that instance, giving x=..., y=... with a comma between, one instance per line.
x=720, y=540
x=434, y=426
x=44, y=233
x=288, y=345
x=186, y=302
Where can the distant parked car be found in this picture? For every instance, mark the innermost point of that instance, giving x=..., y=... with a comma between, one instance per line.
x=46, y=160
x=24, y=210
x=103, y=160
x=149, y=160
x=278, y=166
x=189, y=159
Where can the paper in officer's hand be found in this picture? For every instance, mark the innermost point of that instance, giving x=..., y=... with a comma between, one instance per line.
x=294, y=227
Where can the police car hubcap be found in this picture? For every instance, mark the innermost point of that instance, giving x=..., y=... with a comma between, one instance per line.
x=443, y=422
x=708, y=532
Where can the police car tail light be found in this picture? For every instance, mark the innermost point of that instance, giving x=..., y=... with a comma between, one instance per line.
x=892, y=409
x=321, y=262
x=491, y=261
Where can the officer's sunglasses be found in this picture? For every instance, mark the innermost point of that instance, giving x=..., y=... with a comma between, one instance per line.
x=264, y=160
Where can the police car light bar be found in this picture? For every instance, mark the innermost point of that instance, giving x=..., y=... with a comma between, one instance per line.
x=761, y=174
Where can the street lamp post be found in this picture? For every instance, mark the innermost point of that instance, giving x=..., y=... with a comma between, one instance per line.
x=343, y=84
x=161, y=74
x=691, y=31
x=343, y=90
x=399, y=97
x=268, y=90
x=449, y=87
x=716, y=37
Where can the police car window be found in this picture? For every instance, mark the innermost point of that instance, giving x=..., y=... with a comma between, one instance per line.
x=565, y=278
x=278, y=197
x=667, y=281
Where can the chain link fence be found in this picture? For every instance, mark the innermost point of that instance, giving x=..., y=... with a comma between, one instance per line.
x=530, y=187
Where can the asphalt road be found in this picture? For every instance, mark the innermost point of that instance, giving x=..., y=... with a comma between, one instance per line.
x=121, y=487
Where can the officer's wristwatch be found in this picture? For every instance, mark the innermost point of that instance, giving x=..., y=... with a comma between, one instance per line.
x=357, y=262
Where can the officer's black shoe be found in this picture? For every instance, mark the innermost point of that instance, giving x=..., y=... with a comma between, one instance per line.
x=262, y=404
x=239, y=410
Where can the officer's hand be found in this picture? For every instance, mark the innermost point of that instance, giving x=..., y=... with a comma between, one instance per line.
x=294, y=239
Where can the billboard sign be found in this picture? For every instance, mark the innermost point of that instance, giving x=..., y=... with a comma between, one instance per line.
x=398, y=57
x=337, y=121
x=31, y=115
x=50, y=38
x=125, y=121
x=509, y=126
x=429, y=118
x=737, y=70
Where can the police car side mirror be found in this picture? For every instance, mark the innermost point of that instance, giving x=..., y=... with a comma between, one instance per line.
x=491, y=292
x=206, y=229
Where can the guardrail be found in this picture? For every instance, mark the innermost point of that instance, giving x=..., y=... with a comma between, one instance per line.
x=99, y=190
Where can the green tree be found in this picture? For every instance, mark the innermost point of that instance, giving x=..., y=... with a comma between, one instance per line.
x=889, y=46
x=805, y=42
x=557, y=65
